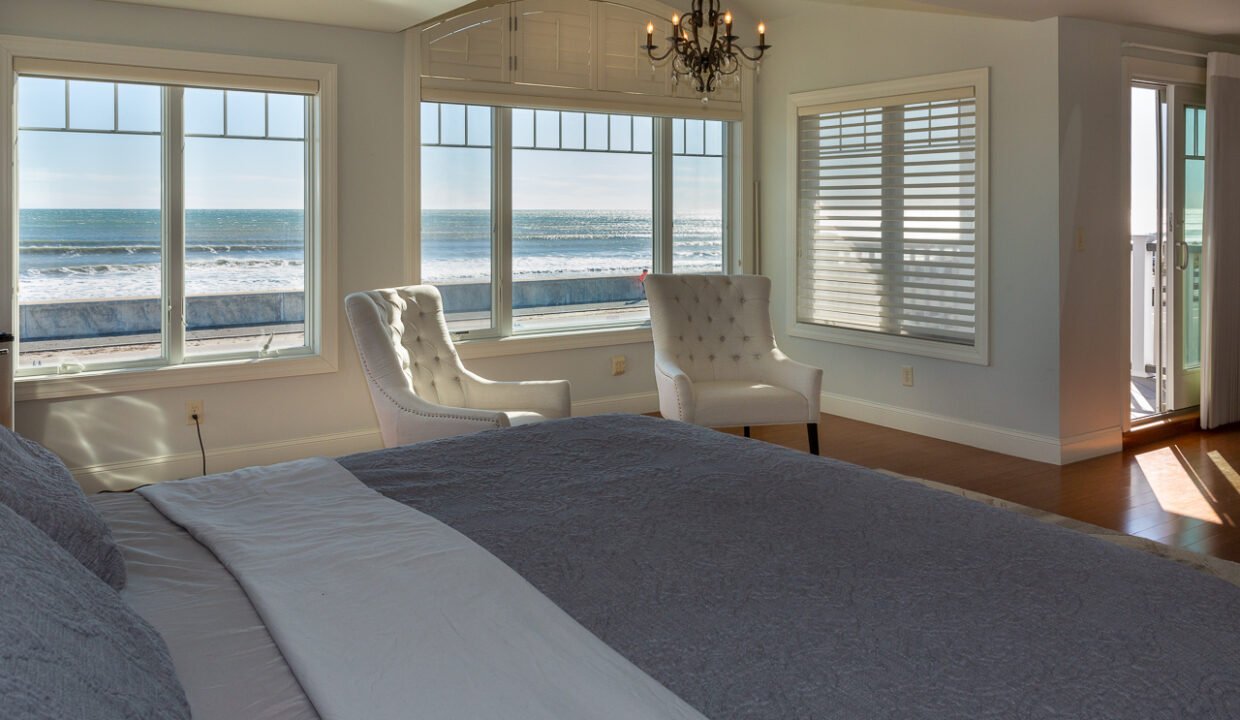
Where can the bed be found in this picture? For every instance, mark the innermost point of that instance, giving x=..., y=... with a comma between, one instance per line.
x=625, y=566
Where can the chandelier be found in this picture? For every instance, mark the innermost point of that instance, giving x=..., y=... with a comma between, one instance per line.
x=702, y=47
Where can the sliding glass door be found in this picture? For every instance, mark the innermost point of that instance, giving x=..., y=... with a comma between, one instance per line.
x=1168, y=197
x=1187, y=112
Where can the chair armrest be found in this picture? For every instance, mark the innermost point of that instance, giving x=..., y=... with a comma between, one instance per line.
x=549, y=398
x=676, y=400
x=406, y=418
x=785, y=372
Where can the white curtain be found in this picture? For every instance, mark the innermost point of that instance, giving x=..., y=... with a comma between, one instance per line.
x=1220, y=322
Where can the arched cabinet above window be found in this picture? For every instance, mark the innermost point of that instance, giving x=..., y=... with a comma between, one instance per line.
x=559, y=52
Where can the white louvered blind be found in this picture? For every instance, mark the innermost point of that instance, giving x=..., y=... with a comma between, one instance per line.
x=887, y=216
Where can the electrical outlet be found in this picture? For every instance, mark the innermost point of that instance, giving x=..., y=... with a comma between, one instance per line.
x=906, y=375
x=192, y=408
x=618, y=364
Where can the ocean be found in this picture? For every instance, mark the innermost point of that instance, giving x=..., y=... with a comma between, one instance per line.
x=99, y=254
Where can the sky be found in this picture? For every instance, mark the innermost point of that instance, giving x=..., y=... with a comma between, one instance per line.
x=1145, y=182
x=106, y=170
x=458, y=178
x=122, y=170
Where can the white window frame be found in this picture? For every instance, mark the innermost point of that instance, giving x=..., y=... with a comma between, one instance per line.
x=979, y=352
x=663, y=158
x=173, y=66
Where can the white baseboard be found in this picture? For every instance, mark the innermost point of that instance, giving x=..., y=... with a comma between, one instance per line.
x=1090, y=445
x=1031, y=446
x=638, y=403
x=129, y=474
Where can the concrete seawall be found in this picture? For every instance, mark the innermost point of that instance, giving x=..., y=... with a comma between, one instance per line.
x=140, y=316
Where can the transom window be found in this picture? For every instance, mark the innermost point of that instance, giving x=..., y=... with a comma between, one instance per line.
x=890, y=216
x=537, y=221
x=162, y=224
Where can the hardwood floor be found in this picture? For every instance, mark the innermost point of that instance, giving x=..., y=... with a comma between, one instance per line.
x=1183, y=490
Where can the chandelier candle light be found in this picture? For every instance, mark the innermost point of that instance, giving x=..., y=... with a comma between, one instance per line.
x=700, y=51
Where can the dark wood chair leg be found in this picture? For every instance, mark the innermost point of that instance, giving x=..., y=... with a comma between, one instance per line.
x=746, y=431
x=813, y=437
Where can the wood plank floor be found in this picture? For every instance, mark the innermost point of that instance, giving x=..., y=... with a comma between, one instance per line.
x=1183, y=491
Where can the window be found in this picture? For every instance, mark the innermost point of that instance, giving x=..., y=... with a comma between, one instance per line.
x=891, y=240
x=540, y=221
x=165, y=223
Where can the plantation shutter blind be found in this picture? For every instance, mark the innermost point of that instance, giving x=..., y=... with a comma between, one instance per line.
x=886, y=227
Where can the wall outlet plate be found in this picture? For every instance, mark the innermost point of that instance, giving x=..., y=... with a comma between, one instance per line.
x=906, y=375
x=192, y=408
x=619, y=364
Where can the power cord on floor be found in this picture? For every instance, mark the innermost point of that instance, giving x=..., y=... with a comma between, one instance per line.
x=202, y=448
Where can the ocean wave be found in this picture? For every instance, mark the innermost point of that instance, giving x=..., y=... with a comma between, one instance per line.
x=551, y=266
x=132, y=249
x=139, y=268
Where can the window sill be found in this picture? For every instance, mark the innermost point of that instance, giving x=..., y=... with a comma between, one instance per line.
x=109, y=382
x=975, y=355
x=551, y=342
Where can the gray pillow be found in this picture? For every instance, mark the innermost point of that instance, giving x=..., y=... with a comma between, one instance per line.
x=70, y=647
x=38, y=486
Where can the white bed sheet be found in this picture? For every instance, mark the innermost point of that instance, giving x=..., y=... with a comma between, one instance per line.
x=384, y=612
x=224, y=656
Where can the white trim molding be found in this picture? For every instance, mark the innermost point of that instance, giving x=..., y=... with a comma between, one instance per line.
x=1076, y=448
x=551, y=342
x=915, y=89
x=635, y=403
x=1018, y=443
x=129, y=474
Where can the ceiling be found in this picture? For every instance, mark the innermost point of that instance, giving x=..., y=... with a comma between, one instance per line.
x=1214, y=18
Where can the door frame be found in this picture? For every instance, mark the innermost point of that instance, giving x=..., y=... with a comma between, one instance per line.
x=1182, y=71
x=8, y=234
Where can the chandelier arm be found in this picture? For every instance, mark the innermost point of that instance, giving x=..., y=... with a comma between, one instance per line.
x=658, y=58
x=754, y=58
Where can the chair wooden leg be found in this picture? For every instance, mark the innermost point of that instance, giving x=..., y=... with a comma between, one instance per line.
x=813, y=437
x=746, y=431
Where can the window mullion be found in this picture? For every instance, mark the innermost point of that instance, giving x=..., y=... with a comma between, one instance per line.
x=173, y=230
x=664, y=209
x=501, y=241
x=313, y=264
x=731, y=249
x=893, y=214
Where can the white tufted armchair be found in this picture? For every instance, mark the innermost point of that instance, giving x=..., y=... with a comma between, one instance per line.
x=420, y=388
x=715, y=359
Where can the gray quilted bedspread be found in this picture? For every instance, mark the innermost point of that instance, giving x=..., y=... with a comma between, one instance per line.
x=758, y=582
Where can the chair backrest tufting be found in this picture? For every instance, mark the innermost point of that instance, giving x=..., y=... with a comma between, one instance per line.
x=715, y=327
x=402, y=332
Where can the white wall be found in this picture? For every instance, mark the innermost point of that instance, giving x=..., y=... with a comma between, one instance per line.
x=142, y=435
x=1014, y=402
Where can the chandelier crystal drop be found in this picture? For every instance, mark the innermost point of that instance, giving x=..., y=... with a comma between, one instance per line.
x=703, y=49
